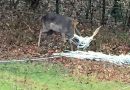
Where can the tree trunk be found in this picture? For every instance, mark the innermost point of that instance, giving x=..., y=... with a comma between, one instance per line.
x=88, y=9
x=128, y=21
x=57, y=6
x=103, y=12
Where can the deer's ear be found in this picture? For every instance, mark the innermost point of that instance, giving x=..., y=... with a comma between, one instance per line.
x=75, y=21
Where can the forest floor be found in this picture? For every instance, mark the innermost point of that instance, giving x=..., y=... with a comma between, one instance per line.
x=106, y=42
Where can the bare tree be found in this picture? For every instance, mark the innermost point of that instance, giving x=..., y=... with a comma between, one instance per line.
x=57, y=6
x=117, y=11
x=128, y=21
x=88, y=9
x=103, y=12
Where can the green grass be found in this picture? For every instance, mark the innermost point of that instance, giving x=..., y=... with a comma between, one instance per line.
x=48, y=76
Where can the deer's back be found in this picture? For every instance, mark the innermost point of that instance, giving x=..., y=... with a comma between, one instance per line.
x=58, y=23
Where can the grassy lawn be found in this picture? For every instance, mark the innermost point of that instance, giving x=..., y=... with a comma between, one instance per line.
x=48, y=76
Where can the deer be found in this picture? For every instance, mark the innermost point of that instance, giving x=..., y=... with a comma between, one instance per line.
x=53, y=22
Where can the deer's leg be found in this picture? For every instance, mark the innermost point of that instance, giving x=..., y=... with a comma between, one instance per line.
x=39, y=39
x=71, y=46
x=63, y=36
x=64, y=40
x=76, y=30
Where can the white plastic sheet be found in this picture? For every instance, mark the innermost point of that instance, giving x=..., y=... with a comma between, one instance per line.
x=99, y=56
x=82, y=42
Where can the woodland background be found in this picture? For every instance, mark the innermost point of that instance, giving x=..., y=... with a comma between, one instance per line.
x=20, y=24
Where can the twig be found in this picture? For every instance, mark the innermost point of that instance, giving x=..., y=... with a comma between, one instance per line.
x=27, y=26
x=25, y=60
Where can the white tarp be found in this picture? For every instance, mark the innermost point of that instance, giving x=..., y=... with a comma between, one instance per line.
x=83, y=43
x=99, y=56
